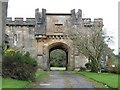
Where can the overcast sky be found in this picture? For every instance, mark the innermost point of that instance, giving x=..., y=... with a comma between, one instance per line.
x=106, y=9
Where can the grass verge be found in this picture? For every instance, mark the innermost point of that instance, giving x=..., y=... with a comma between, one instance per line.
x=40, y=74
x=13, y=83
x=107, y=79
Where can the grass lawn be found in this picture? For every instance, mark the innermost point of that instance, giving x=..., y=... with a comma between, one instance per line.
x=0, y=82
x=40, y=74
x=111, y=80
x=12, y=83
x=57, y=68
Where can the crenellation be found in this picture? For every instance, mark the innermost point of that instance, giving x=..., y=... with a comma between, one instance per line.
x=88, y=23
x=19, y=21
x=30, y=19
x=9, y=18
x=98, y=20
x=86, y=19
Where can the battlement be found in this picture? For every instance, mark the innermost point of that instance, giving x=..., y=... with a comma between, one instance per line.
x=19, y=21
x=86, y=19
x=98, y=20
x=9, y=19
x=30, y=19
x=95, y=20
x=88, y=23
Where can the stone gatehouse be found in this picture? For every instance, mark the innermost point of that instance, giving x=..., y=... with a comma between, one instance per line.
x=47, y=32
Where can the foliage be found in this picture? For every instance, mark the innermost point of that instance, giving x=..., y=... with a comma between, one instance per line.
x=18, y=65
x=58, y=58
x=13, y=83
x=113, y=65
x=88, y=65
x=9, y=51
x=115, y=69
x=82, y=69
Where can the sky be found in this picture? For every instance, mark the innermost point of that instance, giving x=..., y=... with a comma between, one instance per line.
x=106, y=9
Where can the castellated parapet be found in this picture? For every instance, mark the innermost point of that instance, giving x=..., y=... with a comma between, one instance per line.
x=20, y=22
x=31, y=21
x=40, y=26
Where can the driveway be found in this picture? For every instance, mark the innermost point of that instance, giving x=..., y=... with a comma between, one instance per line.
x=62, y=79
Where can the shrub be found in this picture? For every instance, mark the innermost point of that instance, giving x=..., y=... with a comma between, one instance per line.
x=115, y=69
x=19, y=66
x=111, y=69
x=82, y=69
x=88, y=65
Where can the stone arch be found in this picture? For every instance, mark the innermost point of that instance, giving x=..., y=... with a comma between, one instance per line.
x=62, y=46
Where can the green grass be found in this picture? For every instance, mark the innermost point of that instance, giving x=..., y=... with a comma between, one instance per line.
x=39, y=74
x=0, y=82
x=111, y=80
x=57, y=68
x=13, y=83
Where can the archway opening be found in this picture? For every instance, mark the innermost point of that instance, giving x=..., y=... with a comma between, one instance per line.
x=58, y=56
x=58, y=59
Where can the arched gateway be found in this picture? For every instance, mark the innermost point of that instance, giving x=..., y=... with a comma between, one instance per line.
x=62, y=46
x=47, y=32
x=56, y=43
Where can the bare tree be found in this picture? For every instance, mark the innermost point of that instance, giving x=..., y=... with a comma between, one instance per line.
x=89, y=42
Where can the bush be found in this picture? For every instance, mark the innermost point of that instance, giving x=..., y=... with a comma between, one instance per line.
x=82, y=69
x=111, y=69
x=88, y=65
x=115, y=69
x=19, y=66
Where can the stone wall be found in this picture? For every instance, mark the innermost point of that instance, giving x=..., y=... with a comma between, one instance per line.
x=3, y=15
x=22, y=38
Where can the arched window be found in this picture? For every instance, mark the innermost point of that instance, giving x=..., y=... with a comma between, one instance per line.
x=15, y=39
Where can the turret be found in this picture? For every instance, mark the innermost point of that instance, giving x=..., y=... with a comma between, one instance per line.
x=40, y=22
x=73, y=17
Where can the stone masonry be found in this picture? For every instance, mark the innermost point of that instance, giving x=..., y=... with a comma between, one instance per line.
x=3, y=16
x=47, y=32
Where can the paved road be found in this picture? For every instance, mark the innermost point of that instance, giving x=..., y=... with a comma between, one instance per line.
x=63, y=79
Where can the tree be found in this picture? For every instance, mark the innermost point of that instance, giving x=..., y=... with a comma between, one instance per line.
x=90, y=42
x=58, y=58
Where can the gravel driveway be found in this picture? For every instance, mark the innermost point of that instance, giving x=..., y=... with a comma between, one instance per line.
x=62, y=79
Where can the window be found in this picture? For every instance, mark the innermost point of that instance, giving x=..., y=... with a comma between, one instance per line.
x=58, y=28
x=15, y=39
